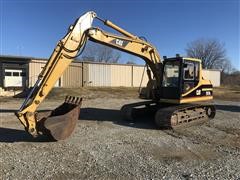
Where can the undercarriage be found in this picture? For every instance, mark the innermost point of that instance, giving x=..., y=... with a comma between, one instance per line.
x=169, y=116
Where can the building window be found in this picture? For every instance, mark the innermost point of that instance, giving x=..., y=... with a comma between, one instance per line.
x=8, y=73
x=15, y=73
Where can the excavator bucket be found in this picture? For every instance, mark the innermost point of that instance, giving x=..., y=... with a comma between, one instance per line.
x=60, y=123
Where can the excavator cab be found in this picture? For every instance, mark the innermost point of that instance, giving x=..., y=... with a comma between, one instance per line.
x=182, y=80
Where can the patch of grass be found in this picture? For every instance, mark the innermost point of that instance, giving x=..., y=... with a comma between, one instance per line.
x=94, y=92
x=228, y=93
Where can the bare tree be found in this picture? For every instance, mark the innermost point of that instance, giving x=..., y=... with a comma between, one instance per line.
x=211, y=52
x=232, y=79
x=131, y=59
x=100, y=53
x=130, y=62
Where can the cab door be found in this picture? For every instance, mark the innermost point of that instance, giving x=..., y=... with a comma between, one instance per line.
x=171, y=79
x=190, y=75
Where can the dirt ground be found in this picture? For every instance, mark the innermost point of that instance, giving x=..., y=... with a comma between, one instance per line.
x=103, y=146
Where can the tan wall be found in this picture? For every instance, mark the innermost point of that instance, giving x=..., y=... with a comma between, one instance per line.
x=99, y=75
x=109, y=75
x=121, y=75
x=80, y=74
x=72, y=77
x=139, y=77
x=213, y=76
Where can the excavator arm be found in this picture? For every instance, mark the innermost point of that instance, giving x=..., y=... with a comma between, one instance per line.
x=60, y=122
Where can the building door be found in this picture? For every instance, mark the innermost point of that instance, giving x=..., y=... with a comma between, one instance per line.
x=14, y=78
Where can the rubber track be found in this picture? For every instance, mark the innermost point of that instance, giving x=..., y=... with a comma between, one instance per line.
x=164, y=116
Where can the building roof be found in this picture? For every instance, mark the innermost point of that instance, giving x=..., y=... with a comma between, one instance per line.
x=15, y=57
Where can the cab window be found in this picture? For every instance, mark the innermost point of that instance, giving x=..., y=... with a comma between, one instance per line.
x=171, y=74
x=188, y=71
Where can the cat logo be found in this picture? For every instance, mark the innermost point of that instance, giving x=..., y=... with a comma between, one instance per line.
x=198, y=92
x=119, y=42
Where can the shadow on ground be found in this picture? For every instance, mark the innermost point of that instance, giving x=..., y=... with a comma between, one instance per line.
x=142, y=121
x=8, y=110
x=230, y=108
x=8, y=135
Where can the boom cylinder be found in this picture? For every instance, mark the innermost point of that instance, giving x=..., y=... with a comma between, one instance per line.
x=117, y=28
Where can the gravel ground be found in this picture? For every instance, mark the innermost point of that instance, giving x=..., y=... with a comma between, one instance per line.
x=105, y=147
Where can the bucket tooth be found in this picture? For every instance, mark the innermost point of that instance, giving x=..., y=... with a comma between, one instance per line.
x=73, y=100
x=80, y=101
x=76, y=100
x=70, y=99
x=67, y=98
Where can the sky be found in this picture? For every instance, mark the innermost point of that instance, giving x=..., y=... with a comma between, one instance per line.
x=32, y=28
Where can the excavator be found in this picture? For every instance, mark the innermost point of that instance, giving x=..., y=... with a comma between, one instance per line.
x=176, y=92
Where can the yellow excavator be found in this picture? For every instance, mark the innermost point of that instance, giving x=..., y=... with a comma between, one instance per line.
x=176, y=91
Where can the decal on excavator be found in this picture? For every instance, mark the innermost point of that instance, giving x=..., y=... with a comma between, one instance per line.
x=120, y=42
